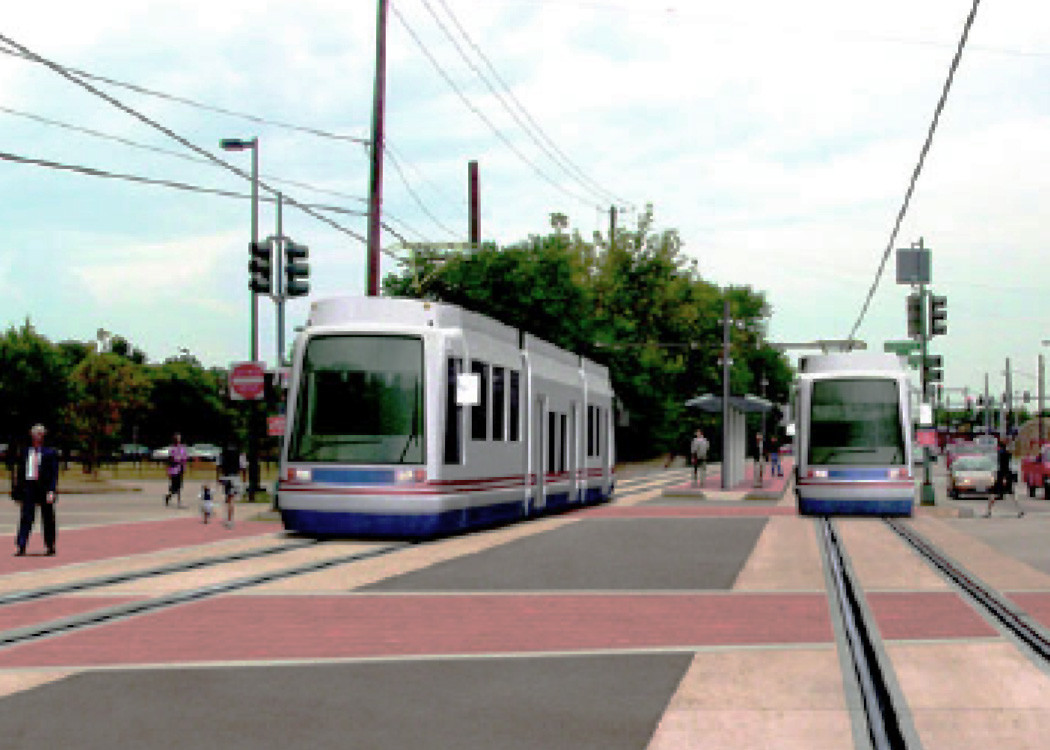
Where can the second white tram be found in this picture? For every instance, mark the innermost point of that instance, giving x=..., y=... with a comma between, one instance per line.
x=853, y=435
x=385, y=436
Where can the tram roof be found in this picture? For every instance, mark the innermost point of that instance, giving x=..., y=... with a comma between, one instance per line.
x=855, y=361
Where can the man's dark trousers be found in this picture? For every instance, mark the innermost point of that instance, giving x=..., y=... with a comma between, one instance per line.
x=35, y=494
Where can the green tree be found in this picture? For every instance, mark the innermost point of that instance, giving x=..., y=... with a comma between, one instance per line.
x=105, y=387
x=187, y=399
x=34, y=386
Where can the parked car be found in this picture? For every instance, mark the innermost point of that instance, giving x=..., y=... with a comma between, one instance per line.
x=1035, y=472
x=972, y=474
x=203, y=452
x=161, y=454
x=133, y=452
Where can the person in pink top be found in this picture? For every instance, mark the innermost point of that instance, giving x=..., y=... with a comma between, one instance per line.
x=177, y=458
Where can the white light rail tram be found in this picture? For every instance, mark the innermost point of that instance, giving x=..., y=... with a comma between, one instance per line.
x=409, y=418
x=853, y=438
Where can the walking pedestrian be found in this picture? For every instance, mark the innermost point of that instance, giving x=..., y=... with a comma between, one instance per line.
x=774, y=456
x=1004, y=480
x=177, y=458
x=36, y=484
x=228, y=469
x=698, y=456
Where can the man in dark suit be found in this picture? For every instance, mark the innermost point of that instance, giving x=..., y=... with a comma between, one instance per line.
x=35, y=483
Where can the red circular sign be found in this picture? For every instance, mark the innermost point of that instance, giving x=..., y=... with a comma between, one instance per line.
x=248, y=380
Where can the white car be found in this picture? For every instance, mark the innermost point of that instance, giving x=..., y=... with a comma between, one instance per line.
x=203, y=452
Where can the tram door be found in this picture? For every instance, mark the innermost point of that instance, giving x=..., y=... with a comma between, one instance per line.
x=573, y=449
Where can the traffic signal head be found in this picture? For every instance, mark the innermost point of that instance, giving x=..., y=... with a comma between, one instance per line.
x=296, y=269
x=938, y=315
x=932, y=372
x=914, y=316
x=260, y=267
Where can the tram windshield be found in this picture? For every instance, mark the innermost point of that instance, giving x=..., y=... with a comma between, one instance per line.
x=856, y=421
x=360, y=401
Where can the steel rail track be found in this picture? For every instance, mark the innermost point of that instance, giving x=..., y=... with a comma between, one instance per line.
x=883, y=725
x=97, y=617
x=1008, y=616
x=16, y=597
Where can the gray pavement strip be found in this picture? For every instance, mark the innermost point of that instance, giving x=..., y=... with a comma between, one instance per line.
x=588, y=702
x=178, y=567
x=99, y=616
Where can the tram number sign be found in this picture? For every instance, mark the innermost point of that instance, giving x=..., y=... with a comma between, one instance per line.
x=247, y=381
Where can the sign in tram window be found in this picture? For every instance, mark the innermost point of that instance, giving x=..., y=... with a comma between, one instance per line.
x=552, y=442
x=479, y=415
x=856, y=421
x=563, y=420
x=499, y=402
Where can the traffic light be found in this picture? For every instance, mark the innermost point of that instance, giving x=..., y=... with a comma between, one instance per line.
x=932, y=372
x=296, y=269
x=260, y=267
x=914, y=316
x=938, y=315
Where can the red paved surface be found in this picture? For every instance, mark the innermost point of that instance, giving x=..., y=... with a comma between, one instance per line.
x=911, y=616
x=770, y=483
x=1036, y=604
x=684, y=511
x=308, y=627
x=53, y=608
x=118, y=540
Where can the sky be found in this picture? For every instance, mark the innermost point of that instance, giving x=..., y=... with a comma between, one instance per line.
x=777, y=139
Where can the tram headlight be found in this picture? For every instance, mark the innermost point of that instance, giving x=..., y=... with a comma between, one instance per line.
x=409, y=476
x=299, y=475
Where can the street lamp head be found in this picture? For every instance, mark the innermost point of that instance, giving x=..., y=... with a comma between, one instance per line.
x=237, y=144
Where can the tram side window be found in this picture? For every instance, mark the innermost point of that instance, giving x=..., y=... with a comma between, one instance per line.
x=499, y=402
x=479, y=415
x=552, y=443
x=515, y=406
x=590, y=430
x=453, y=413
x=563, y=434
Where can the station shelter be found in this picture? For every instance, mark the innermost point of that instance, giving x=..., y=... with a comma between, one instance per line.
x=734, y=431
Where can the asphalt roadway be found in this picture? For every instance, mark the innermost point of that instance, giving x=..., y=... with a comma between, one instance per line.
x=569, y=632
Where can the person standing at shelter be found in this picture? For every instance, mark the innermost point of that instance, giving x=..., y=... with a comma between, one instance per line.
x=36, y=483
x=177, y=458
x=1004, y=480
x=698, y=456
x=774, y=456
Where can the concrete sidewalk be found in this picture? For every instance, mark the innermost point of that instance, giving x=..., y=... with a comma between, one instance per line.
x=769, y=487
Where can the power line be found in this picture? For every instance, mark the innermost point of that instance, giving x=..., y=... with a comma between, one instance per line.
x=164, y=151
x=171, y=134
x=470, y=105
x=397, y=167
x=20, y=51
x=918, y=167
x=524, y=120
x=188, y=187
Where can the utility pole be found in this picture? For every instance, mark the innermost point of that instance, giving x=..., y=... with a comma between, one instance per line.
x=725, y=392
x=1008, y=402
x=375, y=189
x=987, y=407
x=612, y=226
x=1039, y=398
x=475, y=217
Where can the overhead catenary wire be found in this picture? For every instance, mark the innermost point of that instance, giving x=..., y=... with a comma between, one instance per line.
x=524, y=120
x=481, y=115
x=918, y=167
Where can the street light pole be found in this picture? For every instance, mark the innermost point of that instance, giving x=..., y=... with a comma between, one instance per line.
x=239, y=144
x=725, y=394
